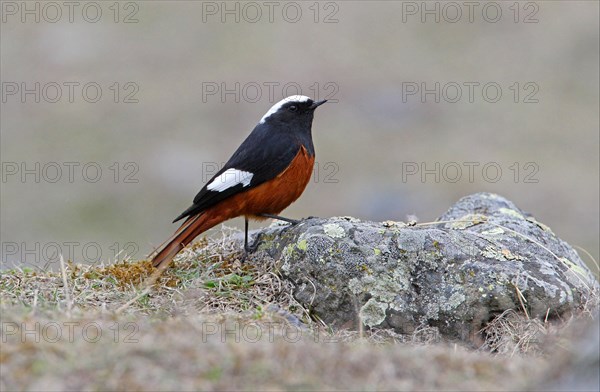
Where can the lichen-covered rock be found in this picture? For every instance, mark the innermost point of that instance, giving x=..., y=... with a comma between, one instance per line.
x=480, y=258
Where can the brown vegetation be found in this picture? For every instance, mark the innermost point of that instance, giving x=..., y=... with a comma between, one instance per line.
x=214, y=323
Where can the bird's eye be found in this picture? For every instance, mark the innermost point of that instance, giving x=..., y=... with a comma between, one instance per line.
x=293, y=108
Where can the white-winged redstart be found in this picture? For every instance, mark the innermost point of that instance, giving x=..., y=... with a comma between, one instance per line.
x=267, y=173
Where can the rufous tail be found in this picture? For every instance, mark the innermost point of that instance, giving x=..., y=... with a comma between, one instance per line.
x=190, y=229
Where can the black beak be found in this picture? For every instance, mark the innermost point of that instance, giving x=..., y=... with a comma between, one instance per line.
x=317, y=104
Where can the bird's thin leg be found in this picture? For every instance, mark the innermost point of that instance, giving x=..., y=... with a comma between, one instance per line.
x=281, y=218
x=250, y=248
x=246, y=234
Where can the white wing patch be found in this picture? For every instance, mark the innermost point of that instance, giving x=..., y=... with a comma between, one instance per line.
x=230, y=178
x=278, y=105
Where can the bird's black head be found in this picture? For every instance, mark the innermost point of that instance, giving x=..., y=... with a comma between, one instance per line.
x=293, y=111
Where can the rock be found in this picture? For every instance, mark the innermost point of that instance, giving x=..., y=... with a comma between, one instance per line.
x=480, y=258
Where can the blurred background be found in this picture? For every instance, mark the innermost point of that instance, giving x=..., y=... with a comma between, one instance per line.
x=114, y=114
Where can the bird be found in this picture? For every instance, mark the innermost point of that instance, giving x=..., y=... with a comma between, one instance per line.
x=268, y=172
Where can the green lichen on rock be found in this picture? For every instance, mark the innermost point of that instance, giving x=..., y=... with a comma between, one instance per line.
x=454, y=276
x=373, y=313
x=492, y=252
x=493, y=232
x=302, y=245
x=334, y=230
x=382, y=286
x=467, y=220
x=455, y=300
x=511, y=212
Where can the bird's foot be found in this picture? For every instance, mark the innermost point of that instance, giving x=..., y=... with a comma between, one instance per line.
x=251, y=248
x=292, y=224
x=280, y=218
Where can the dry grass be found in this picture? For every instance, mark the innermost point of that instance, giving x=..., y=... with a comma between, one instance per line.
x=209, y=275
x=511, y=333
x=185, y=353
x=212, y=322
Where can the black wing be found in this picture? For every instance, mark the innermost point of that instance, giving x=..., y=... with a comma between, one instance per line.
x=262, y=154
